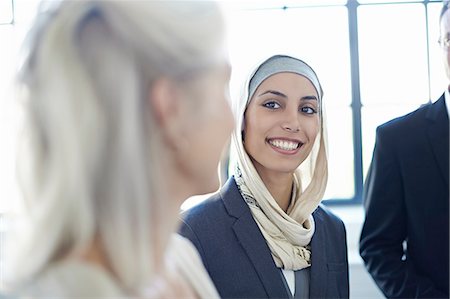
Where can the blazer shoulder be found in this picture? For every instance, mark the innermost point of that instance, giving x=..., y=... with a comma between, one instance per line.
x=207, y=209
x=202, y=223
x=399, y=123
x=222, y=207
x=327, y=215
x=414, y=119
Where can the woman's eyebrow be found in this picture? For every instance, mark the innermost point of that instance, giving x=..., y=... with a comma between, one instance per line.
x=305, y=98
x=273, y=92
x=309, y=98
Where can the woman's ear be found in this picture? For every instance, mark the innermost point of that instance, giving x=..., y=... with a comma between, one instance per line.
x=164, y=98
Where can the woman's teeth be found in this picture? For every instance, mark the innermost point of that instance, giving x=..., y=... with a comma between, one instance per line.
x=284, y=145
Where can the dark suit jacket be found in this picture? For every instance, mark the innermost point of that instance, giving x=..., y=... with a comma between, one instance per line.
x=239, y=261
x=407, y=199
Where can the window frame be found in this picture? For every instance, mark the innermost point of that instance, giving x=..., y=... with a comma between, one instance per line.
x=355, y=81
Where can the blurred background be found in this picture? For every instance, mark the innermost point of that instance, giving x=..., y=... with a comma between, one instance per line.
x=376, y=60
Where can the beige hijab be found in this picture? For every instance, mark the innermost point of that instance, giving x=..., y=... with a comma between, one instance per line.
x=287, y=234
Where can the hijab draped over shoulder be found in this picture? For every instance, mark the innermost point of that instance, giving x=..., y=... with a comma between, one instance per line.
x=289, y=233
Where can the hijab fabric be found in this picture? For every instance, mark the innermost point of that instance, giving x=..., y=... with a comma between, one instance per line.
x=287, y=234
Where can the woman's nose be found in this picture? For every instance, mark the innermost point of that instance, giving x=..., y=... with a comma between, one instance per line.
x=291, y=128
x=291, y=122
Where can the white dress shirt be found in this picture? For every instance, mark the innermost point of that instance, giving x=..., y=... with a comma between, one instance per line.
x=447, y=100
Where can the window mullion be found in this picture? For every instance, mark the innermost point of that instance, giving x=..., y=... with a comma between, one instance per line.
x=356, y=98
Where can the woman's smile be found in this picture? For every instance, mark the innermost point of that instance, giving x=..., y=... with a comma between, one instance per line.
x=285, y=146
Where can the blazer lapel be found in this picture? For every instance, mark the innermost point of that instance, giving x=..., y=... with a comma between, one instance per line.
x=253, y=242
x=319, y=270
x=438, y=131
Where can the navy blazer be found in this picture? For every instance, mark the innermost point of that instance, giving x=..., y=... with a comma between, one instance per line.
x=407, y=199
x=239, y=260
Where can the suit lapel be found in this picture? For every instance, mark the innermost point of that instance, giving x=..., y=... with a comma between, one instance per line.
x=319, y=269
x=253, y=242
x=259, y=254
x=438, y=131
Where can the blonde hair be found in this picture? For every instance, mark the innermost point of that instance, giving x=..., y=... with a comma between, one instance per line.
x=93, y=150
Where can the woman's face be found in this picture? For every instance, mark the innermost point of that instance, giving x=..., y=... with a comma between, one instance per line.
x=445, y=34
x=208, y=130
x=281, y=123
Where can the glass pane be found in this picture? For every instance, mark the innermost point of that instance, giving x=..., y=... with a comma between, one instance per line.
x=386, y=1
x=393, y=54
x=24, y=11
x=373, y=116
x=266, y=4
x=340, y=153
x=10, y=38
x=8, y=121
x=256, y=34
x=438, y=78
x=6, y=12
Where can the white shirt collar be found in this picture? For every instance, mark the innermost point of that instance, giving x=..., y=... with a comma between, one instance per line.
x=447, y=101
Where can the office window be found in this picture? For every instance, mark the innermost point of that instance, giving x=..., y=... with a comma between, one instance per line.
x=8, y=193
x=393, y=65
x=12, y=30
x=318, y=35
x=376, y=60
x=438, y=80
x=384, y=1
x=6, y=12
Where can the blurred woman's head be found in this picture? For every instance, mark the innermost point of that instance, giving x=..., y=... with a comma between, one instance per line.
x=126, y=109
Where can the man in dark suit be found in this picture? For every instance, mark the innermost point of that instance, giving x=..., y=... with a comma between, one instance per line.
x=405, y=238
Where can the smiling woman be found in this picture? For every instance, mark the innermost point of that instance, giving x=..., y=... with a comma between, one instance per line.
x=268, y=215
x=281, y=126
